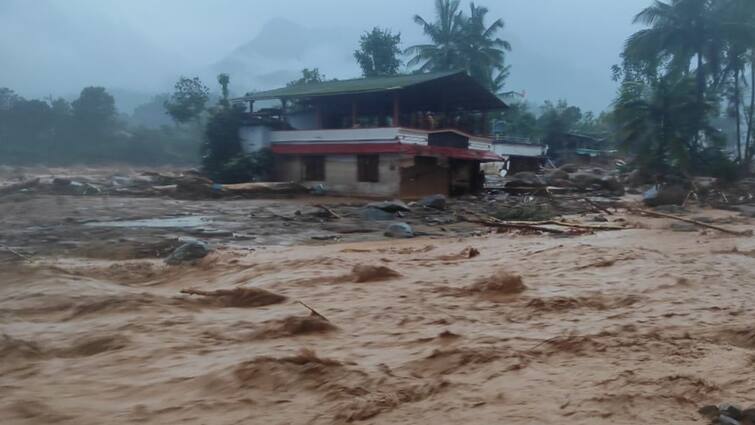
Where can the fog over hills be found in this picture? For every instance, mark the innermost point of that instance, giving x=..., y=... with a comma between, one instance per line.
x=282, y=48
x=138, y=48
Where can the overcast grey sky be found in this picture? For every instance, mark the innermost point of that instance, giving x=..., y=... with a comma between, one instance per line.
x=562, y=48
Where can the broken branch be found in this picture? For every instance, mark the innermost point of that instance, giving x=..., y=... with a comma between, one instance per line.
x=16, y=253
x=492, y=222
x=695, y=222
x=327, y=210
x=596, y=206
x=313, y=311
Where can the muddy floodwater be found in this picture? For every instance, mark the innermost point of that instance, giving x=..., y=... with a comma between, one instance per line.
x=643, y=325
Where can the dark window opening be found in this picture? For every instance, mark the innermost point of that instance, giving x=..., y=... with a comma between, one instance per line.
x=314, y=168
x=367, y=168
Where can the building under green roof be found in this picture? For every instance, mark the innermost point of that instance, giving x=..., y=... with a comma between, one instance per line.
x=454, y=88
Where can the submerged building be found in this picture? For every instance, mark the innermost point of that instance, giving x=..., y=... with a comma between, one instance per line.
x=402, y=136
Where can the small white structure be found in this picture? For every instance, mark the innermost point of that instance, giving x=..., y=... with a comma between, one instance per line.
x=518, y=155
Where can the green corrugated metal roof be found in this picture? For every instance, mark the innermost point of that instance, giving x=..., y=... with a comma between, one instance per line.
x=358, y=85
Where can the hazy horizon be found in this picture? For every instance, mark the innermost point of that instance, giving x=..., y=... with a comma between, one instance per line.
x=55, y=47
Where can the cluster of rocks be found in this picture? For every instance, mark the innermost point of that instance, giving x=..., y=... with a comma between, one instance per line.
x=728, y=414
x=394, y=210
x=569, y=177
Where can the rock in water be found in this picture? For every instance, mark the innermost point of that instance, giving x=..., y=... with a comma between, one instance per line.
x=190, y=251
x=669, y=195
x=725, y=420
x=437, y=202
x=390, y=206
x=399, y=230
x=711, y=412
x=734, y=412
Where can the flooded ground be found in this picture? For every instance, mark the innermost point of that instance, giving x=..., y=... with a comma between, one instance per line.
x=643, y=325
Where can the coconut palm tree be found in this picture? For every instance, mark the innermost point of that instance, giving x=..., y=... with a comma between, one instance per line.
x=442, y=54
x=463, y=42
x=740, y=30
x=483, y=51
x=679, y=32
x=659, y=123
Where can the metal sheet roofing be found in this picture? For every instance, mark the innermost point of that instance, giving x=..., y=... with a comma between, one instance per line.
x=354, y=86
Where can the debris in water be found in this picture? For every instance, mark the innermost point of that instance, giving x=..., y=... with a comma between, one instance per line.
x=364, y=273
x=190, y=251
x=239, y=297
x=501, y=282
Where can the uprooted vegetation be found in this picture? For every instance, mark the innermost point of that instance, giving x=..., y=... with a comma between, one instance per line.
x=294, y=326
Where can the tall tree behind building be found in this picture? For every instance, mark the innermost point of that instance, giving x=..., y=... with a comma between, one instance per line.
x=378, y=53
x=188, y=101
x=458, y=41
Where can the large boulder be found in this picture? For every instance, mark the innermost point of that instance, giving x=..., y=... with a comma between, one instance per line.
x=437, y=202
x=666, y=195
x=188, y=252
x=399, y=230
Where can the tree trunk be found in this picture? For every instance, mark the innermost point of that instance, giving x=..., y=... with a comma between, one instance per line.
x=737, y=101
x=700, y=80
x=750, y=140
x=700, y=101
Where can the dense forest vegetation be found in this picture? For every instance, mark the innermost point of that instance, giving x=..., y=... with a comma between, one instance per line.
x=87, y=130
x=686, y=102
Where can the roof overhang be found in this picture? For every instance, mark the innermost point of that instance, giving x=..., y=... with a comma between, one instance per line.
x=454, y=87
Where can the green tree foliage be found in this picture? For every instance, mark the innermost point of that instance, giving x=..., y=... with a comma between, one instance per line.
x=56, y=132
x=519, y=121
x=94, y=112
x=378, y=53
x=188, y=101
x=224, y=80
x=709, y=42
x=458, y=41
x=307, y=76
x=484, y=52
x=223, y=157
x=660, y=124
x=445, y=34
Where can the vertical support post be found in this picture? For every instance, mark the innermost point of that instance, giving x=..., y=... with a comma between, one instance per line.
x=445, y=120
x=353, y=113
x=284, y=103
x=396, y=110
x=318, y=115
x=251, y=106
x=485, y=123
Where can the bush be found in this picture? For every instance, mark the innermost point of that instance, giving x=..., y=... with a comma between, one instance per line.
x=223, y=158
x=244, y=168
x=713, y=162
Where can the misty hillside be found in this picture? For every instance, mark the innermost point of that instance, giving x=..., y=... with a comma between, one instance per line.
x=282, y=49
